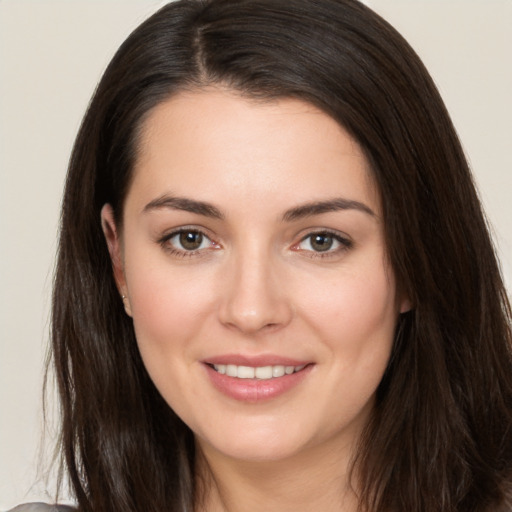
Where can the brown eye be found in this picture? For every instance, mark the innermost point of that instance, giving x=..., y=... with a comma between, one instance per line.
x=187, y=242
x=321, y=242
x=324, y=242
x=190, y=240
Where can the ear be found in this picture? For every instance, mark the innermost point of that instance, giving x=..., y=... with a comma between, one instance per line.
x=114, y=248
x=405, y=305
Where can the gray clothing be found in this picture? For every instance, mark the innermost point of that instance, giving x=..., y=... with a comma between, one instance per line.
x=42, y=507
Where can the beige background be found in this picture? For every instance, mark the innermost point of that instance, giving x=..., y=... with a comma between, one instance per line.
x=52, y=54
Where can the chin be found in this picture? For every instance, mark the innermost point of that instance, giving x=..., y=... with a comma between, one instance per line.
x=257, y=444
x=267, y=451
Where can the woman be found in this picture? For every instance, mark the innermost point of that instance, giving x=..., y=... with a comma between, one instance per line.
x=275, y=286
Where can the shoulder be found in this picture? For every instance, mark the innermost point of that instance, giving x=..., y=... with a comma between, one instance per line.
x=42, y=507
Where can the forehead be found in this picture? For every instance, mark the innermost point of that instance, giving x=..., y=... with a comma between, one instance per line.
x=214, y=139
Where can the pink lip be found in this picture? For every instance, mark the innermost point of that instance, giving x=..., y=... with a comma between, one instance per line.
x=255, y=390
x=260, y=360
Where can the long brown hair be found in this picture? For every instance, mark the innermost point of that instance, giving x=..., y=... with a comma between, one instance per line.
x=440, y=438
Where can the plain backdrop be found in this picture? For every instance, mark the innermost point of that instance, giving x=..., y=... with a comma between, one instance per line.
x=52, y=54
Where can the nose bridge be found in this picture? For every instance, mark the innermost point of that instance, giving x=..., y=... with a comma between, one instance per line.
x=255, y=294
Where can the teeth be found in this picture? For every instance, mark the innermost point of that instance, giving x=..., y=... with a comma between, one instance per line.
x=245, y=372
x=263, y=372
x=221, y=368
x=278, y=371
x=259, y=372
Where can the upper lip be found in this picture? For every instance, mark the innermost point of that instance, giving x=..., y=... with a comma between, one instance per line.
x=255, y=361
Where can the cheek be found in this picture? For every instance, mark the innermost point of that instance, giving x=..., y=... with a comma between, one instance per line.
x=355, y=317
x=167, y=303
x=355, y=306
x=169, y=308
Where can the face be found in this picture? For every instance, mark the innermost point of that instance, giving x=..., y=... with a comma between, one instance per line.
x=253, y=261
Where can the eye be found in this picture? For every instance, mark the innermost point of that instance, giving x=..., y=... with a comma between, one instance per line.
x=323, y=242
x=185, y=242
x=189, y=240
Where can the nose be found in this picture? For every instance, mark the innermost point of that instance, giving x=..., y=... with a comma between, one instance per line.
x=255, y=297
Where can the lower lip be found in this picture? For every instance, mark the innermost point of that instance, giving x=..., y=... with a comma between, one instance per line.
x=256, y=390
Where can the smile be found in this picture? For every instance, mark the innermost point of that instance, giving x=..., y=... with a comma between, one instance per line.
x=258, y=372
x=256, y=379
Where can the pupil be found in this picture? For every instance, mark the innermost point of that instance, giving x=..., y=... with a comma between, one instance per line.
x=322, y=242
x=191, y=240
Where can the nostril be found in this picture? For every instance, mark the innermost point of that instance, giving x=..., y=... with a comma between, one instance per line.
x=252, y=300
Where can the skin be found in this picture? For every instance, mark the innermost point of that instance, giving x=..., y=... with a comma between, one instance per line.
x=257, y=285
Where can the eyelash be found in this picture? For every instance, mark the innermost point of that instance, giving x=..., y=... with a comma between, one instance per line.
x=344, y=243
x=184, y=253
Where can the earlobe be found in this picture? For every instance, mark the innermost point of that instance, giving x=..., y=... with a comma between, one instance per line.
x=405, y=305
x=113, y=243
x=114, y=248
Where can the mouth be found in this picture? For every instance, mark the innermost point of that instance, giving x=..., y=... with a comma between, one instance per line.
x=256, y=379
x=256, y=372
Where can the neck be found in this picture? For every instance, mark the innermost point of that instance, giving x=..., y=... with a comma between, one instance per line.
x=314, y=480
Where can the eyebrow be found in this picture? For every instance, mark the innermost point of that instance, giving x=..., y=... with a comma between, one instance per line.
x=319, y=207
x=293, y=214
x=184, y=204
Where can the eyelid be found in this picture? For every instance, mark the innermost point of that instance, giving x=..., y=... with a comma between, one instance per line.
x=164, y=241
x=345, y=243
